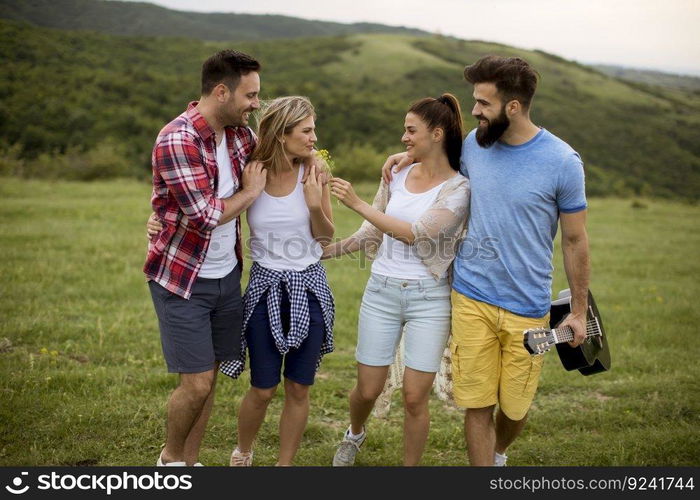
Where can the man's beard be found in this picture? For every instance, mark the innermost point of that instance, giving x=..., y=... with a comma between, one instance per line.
x=489, y=134
x=233, y=118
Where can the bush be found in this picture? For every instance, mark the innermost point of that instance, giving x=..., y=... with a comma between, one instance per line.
x=11, y=162
x=358, y=162
x=108, y=159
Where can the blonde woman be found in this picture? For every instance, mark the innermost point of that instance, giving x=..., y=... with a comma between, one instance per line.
x=288, y=309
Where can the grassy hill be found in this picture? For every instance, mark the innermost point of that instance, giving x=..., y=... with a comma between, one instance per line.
x=136, y=18
x=87, y=105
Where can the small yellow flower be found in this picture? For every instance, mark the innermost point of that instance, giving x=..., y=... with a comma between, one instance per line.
x=323, y=153
x=326, y=157
x=43, y=350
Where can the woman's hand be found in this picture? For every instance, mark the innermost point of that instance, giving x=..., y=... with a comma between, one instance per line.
x=343, y=190
x=153, y=226
x=326, y=253
x=313, y=189
x=322, y=176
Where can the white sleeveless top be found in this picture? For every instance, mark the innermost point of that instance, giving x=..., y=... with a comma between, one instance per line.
x=280, y=231
x=221, y=254
x=395, y=258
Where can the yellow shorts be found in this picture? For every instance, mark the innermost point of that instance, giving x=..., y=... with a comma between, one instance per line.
x=489, y=362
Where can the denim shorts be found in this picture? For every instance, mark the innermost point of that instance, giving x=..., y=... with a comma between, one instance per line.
x=418, y=308
x=266, y=361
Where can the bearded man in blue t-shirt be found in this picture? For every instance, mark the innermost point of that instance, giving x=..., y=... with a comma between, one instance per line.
x=524, y=183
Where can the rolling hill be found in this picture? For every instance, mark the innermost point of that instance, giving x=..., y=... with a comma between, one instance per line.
x=656, y=78
x=74, y=101
x=138, y=18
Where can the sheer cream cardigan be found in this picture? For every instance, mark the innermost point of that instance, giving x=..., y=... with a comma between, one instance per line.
x=437, y=232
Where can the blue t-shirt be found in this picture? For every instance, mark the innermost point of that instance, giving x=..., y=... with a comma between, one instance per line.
x=517, y=194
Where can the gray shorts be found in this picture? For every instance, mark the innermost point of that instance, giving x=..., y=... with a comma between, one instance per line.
x=196, y=333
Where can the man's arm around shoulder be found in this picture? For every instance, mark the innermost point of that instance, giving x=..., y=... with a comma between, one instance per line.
x=177, y=158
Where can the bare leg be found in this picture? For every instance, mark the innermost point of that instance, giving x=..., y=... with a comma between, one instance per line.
x=370, y=382
x=416, y=424
x=480, y=432
x=251, y=415
x=507, y=430
x=185, y=406
x=194, y=439
x=293, y=419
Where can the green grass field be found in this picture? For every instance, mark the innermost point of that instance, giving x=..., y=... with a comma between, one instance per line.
x=82, y=380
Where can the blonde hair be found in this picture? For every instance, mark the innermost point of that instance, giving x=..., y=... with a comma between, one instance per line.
x=279, y=117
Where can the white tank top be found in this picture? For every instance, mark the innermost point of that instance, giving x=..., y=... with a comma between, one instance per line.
x=395, y=258
x=280, y=231
x=221, y=254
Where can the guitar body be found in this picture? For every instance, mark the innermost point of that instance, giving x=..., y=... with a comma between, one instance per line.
x=592, y=356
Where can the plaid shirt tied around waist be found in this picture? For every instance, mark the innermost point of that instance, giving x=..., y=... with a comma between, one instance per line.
x=185, y=183
x=262, y=280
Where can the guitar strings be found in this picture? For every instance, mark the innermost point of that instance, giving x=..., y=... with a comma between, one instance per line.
x=592, y=330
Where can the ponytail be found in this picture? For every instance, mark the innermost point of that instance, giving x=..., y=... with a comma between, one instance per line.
x=443, y=112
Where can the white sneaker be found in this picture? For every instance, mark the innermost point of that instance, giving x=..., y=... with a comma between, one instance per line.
x=240, y=459
x=160, y=463
x=347, y=449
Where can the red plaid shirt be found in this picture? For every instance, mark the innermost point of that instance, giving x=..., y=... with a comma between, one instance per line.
x=185, y=180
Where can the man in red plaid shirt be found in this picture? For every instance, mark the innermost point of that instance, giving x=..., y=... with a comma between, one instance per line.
x=200, y=187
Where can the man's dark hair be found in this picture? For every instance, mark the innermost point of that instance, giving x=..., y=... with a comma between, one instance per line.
x=226, y=67
x=514, y=78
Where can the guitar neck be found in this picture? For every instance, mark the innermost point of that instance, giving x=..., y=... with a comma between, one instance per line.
x=566, y=333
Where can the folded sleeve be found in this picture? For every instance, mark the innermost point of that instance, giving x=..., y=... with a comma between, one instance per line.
x=571, y=190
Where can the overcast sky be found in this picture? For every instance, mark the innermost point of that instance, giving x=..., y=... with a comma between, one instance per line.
x=656, y=34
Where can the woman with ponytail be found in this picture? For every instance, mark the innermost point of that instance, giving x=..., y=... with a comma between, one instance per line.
x=411, y=231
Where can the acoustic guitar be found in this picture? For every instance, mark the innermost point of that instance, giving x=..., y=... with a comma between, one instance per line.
x=593, y=356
